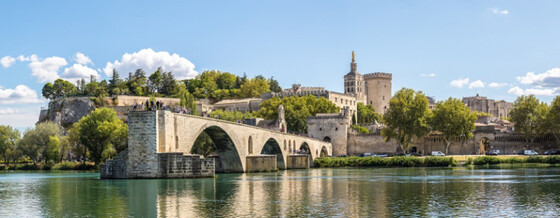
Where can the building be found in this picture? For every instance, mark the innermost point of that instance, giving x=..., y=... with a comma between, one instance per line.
x=372, y=88
x=495, y=108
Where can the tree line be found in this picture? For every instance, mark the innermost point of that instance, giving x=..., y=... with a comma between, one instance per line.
x=212, y=84
x=95, y=137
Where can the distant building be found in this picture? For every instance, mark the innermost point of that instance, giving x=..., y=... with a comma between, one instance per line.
x=496, y=108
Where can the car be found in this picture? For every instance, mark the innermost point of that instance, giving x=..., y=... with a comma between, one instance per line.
x=414, y=154
x=366, y=155
x=552, y=152
x=493, y=152
x=342, y=155
x=382, y=155
x=527, y=152
x=437, y=153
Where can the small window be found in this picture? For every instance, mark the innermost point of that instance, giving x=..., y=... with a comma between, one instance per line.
x=336, y=129
x=320, y=129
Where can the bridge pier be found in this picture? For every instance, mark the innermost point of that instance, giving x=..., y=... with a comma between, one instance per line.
x=261, y=163
x=299, y=161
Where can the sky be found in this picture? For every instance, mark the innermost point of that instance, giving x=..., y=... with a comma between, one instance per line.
x=498, y=49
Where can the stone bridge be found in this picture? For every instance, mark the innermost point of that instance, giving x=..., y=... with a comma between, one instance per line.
x=152, y=133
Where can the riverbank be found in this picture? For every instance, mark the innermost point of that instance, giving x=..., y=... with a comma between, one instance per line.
x=50, y=166
x=429, y=161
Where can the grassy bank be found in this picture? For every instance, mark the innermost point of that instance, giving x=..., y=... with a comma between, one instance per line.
x=50, y=166
x=399, y=161
x=493, y=160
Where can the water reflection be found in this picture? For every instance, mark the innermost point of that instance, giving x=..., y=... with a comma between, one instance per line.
x=316, y=192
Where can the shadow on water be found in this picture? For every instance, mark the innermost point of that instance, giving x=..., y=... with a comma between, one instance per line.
x=487, y=191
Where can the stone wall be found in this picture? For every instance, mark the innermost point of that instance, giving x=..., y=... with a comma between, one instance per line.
x=115, y=168
x=261, y=163
x=298, y=161
x=177, y=165
x=370, y=143
x=330, y=127
x=142, y=145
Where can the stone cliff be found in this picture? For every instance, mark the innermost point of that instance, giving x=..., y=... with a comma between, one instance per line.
x=67, y=111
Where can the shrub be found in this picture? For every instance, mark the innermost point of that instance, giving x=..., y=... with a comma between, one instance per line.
x=360, y=129
x=484, y=160
x=399, y=161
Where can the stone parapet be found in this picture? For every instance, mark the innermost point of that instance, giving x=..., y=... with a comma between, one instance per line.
x=378, y=75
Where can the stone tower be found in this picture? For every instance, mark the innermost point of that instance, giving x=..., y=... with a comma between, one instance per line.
x=354, y=81
x=378, y=90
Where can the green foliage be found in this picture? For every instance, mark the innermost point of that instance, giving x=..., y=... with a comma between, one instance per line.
x=360, y=129
x=253, y=87
x=155, y=81
x=137, y=83
x=529, y=117
x=103, y=133
x=35, y=142
x=366, y=114
x=9, y=138
x=48, y=91
x=187, y=101
x=454, y=120
x=399, y=161
x=552, y=121
x=492, y=160
x=204, y=145
x=274, y=86
x=296, y=109
x=406, y=118
x=66, y=165
x=53, y=149
x=232, y=116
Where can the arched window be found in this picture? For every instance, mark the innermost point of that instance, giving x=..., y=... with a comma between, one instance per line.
x=250, y=145
x=327, y=139
x=285, y=145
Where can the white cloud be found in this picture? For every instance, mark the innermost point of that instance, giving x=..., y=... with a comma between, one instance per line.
x=550, y=78
x=149, y=60
x=78, y=71
x=7, y=61
x=519, y=91
x=476, y=84
x=497, y=85
x=428, y=75
x=45, y=70
x=499, y=11
x=20, y=95
x=459, y=83
x=82, y=59
x=8, y=111
x=28, y=58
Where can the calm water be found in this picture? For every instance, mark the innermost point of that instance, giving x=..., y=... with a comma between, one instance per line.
x=317, y=192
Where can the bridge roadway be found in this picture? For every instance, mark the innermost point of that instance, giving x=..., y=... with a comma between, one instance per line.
x=163, y=131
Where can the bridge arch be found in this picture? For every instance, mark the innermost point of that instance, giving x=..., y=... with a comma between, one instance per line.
x=228, y=159
x=271, y=147
x=304, y=148
x=324, y=151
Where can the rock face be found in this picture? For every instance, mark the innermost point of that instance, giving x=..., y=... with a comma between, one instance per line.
x=67, y=111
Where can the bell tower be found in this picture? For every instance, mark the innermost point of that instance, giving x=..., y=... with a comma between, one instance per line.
x=354, y=81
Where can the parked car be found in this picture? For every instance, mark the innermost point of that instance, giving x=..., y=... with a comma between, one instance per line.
x=342, y=155
x=366, y=155
x=552, y=152
x=382, y=155
x=416, y=154
x=437, y=153
x=527, y=152
x=493, y=152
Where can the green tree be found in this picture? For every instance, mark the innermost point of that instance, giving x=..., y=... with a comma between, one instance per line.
x=137, y=83
x=187, y=101
x=168, y=84
x=204, y=145
x=529, y=116
x=226, y=81
x=553, y=119
x=253, y=87
x=155, y=81
x=34, y=143
x=75, y=142
x=366, y=114
x=53, y=149
x=274, y=86
x=48, y=91
x=103, y=133
x=8, y=141
x=406, y=118
x=117, y=85
x=63, y=88
x=454, y=120
x=296, y=109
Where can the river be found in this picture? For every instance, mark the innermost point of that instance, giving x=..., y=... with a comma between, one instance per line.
x=315, y=192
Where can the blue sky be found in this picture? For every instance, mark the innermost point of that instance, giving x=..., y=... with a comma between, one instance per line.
x=500, y=49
